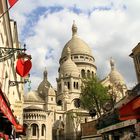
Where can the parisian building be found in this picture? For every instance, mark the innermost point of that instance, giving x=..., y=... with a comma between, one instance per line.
x=49, y=114
x=11, y=96
x=136, y=58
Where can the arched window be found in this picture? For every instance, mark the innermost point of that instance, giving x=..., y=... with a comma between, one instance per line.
x=74, y=85
x=68, y=85
x=34, y=130
x=43, y=130
x=88, y=74
x=83, y=73
x=92, y=74
x=77, y=85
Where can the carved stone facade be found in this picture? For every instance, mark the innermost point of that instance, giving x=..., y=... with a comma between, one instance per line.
x=50, y=114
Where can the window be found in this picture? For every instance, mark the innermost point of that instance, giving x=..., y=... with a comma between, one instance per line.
x=59, y=117
x=43, y=130
x=34, y=129
x=92, y=74
x=75, y=57
x=59, y=103
x=77, y=103
x=83, y=73
x=74, y=84
x=88, y=74
x=68, y=85
x=77, y=85
x=52, y=99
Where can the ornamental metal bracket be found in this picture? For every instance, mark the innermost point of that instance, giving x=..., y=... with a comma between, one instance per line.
x=7, y=53
x=15, y=83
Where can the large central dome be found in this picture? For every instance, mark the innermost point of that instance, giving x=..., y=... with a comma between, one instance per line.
x=76, y=45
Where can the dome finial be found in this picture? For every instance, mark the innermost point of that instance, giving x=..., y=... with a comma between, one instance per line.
x=112, y=63
x=45, y=73
x=74, y=28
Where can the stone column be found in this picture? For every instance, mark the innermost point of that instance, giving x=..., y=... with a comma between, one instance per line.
x=39, y=131
x=29, y=133
x=57, y=134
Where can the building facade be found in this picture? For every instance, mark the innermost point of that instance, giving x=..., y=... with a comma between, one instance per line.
x=8, y=57
x=56, y=115
x=136, y=58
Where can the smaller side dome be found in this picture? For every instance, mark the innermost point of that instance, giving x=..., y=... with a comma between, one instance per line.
x=69, y=67
x=32, y=96
x=115, y=76
x=44, y=86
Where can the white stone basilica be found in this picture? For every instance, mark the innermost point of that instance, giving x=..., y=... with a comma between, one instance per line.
x=50, y=114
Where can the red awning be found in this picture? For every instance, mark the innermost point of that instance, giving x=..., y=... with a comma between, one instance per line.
x=131, y=110
x=19, y=128
x=7, y=113
x=2, y=135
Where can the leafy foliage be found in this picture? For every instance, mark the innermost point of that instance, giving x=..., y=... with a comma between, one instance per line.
x=93, y=95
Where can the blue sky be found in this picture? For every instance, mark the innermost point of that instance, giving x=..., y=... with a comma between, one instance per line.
x=109, y=27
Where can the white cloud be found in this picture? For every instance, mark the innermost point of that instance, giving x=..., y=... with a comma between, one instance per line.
x=109, y=33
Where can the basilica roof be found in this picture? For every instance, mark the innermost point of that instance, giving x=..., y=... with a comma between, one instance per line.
x=44, y=86
x=44, y=89
x=69, y=67
x=33, y=96
x=76, y=45
x=33, y=108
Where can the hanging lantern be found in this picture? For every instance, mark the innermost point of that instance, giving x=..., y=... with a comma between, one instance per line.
x=24, y=64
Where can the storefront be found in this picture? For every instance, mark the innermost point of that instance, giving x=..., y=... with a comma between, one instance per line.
x=119, y=131
x=131, y=109
x=9, y=128
x=127, y=124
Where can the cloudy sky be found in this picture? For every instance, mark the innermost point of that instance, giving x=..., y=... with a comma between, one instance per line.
x=110, y=27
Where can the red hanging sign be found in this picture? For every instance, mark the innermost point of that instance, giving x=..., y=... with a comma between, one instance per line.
x=12, y=2
x=23, y=67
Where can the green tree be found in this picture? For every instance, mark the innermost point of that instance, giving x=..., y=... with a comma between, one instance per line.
x=94, y=95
